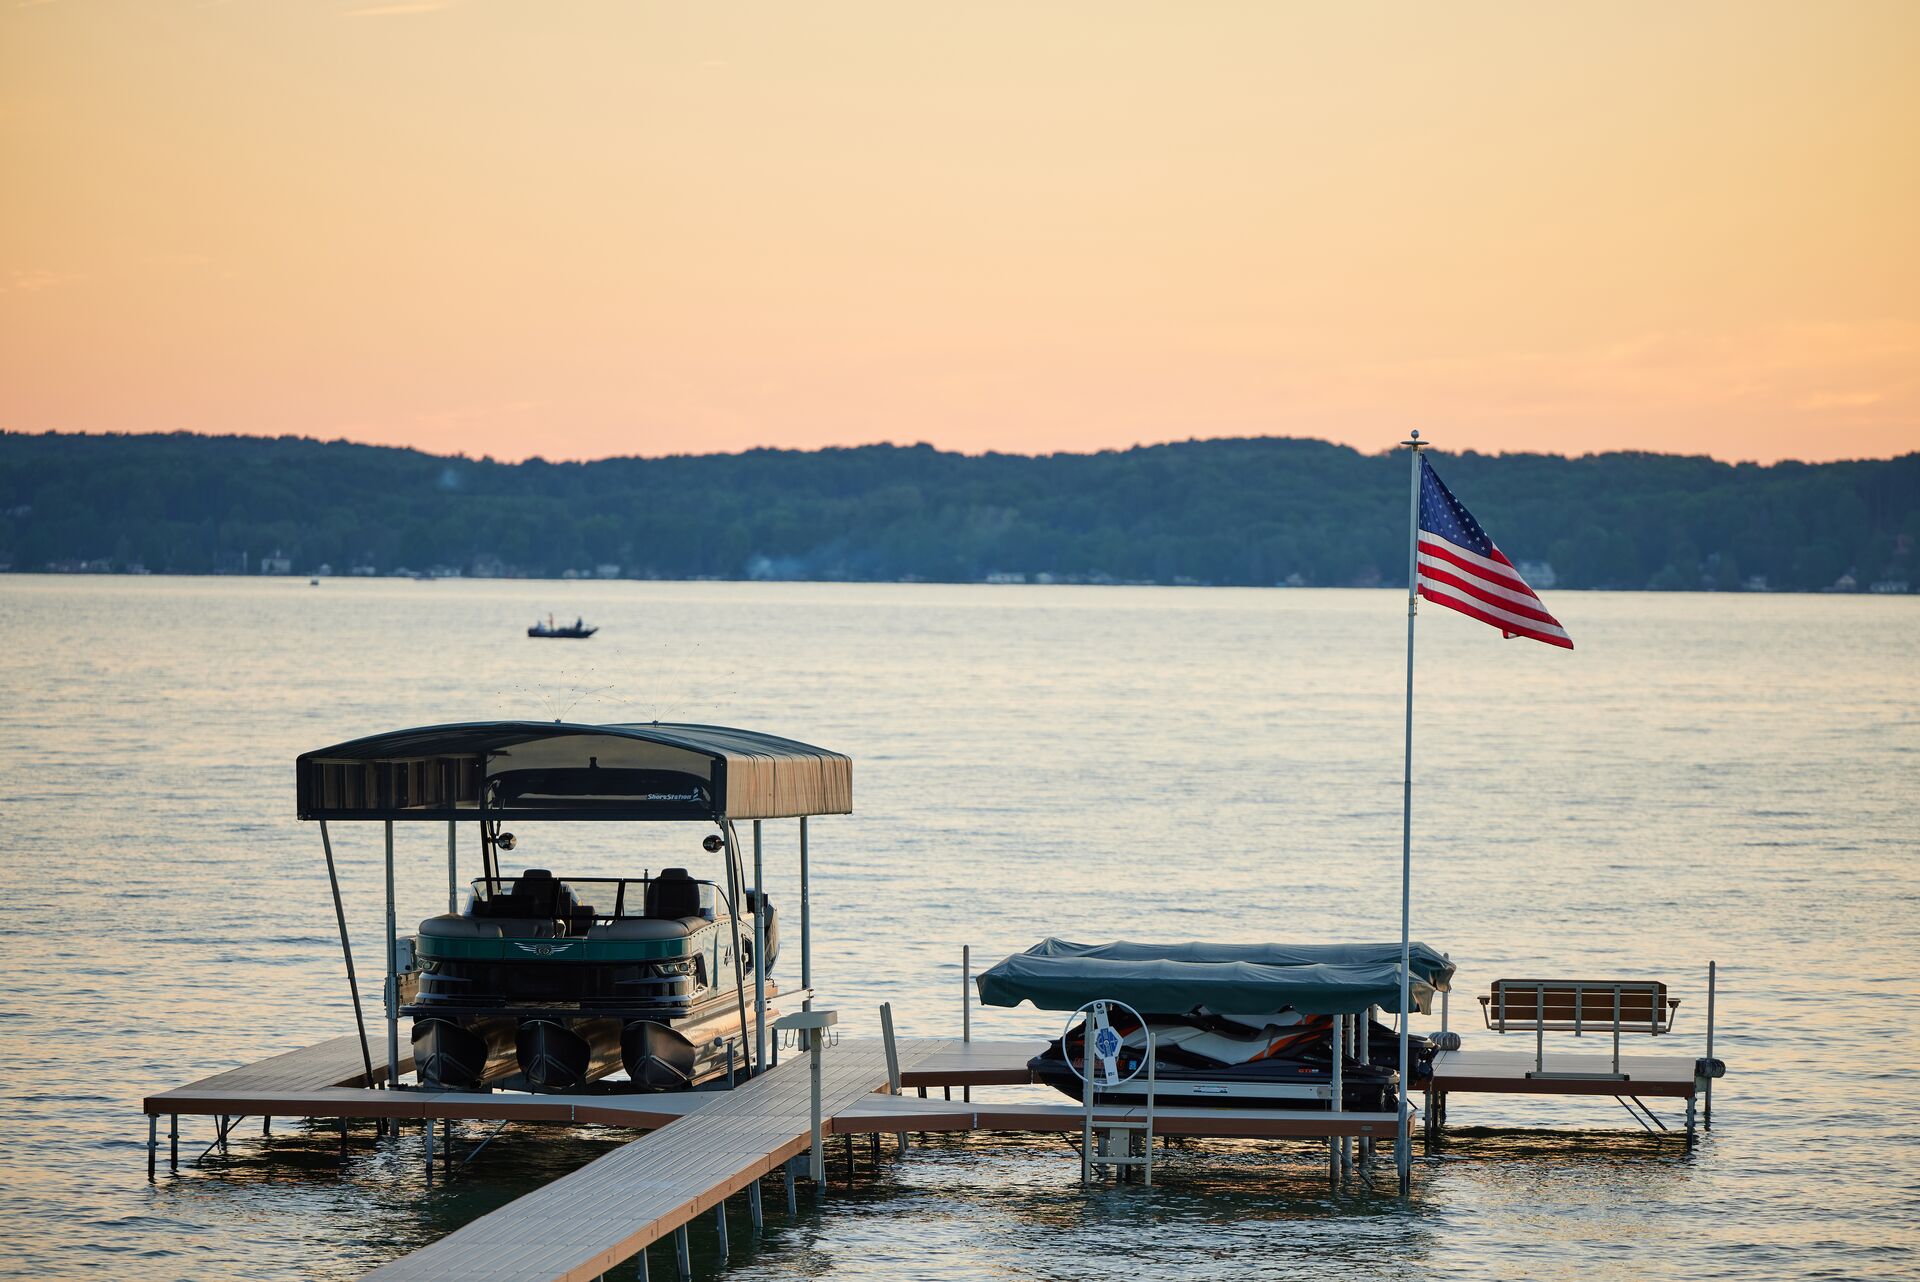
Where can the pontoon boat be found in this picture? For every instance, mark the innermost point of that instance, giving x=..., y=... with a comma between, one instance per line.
x=543, y=983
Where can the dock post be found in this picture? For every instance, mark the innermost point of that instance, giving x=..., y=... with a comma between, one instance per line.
x=720, y=1227
x=1690, y=1112
x=173, y=1142
x=453, y=869
x=816, y=1038
x=793, y=1203
x=966, y=1010
x=640, y=1274
x=680, y=1254
x=754, y=1215
x=1710, y=987
x=427, y=1139
x=153, y=1143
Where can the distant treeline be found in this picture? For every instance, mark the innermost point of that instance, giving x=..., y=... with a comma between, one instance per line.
x=1259, y=511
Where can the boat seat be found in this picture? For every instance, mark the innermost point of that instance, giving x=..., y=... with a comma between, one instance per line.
x=631, y=928
x=673, y=894
x=449, y=926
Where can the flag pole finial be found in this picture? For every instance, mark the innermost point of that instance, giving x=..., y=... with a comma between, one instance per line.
x=1414, y=442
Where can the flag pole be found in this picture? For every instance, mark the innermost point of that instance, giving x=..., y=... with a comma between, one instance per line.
x=1403, y=1137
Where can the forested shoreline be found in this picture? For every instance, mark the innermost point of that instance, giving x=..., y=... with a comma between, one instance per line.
x=1257, y=511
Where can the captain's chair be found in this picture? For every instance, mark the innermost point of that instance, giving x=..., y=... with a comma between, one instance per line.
x=673, y=894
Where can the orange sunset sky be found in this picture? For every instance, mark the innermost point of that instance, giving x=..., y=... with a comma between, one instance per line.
x=578, y=229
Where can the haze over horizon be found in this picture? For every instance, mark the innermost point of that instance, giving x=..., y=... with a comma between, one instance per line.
x=614, y=230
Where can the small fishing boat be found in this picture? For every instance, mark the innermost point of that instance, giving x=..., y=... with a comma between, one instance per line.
x=578, y=630
x=1240, y=1025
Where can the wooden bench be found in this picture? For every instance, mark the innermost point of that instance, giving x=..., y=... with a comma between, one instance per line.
x=1578, y=1006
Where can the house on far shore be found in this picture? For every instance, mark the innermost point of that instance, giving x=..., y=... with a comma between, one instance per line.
x=276, y=564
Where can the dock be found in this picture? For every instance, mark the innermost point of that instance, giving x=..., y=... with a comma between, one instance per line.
x=700, y=1148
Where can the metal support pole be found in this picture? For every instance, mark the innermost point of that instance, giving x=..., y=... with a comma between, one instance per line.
x=731, y=848
x=427, y=1140
x=346, y=950
x=1402, y=1140
x=817, y=1168
x=793, y=1202
x=806, y=925
x=720, y=1227
x=680, y=1255
x=759, y=893
x=153, y=1143
x=393, y=978
x=453, y=869
x=966, y=1008
x=1086, y=1100
x=640, y=1274
x=1337, y=1144
x=173, y=1142
x=754, y=1214
x=1710, y=987
x=966, y=992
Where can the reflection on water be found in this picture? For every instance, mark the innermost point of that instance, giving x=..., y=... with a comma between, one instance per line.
x=1726, y=777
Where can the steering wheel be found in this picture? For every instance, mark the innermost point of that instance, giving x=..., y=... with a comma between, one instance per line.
x=1107, y=1043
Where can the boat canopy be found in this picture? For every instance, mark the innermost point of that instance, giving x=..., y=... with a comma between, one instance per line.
x=558, y=770
x=1173, y=979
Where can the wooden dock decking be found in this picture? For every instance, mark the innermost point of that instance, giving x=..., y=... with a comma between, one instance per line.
x=1505, y=1073
x=583, y=1224
x=704, y=1146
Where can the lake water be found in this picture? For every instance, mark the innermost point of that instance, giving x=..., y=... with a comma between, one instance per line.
x=1725, y=777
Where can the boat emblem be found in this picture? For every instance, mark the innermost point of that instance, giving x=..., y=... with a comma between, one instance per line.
x=545, y=950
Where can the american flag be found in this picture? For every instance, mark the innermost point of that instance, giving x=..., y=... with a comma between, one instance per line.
x=1461, y=569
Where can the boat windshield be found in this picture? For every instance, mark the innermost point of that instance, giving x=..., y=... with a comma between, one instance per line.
x=608, y=898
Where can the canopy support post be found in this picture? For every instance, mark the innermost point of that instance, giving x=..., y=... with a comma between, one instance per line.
x=806, y=923
x=393, y=978
x=759, y=955
x=730, y=844
x=346, y=950
x=453, y=868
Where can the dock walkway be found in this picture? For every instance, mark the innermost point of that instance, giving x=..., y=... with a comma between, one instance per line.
x=584, y=1224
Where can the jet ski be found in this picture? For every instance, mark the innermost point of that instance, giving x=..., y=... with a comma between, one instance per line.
x=1278, y=1060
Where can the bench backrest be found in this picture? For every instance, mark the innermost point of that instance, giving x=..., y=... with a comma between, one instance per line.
x=1581, y=1005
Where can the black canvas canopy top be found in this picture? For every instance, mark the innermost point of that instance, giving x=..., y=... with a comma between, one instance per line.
x=560, y=770
x=1173, y=979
